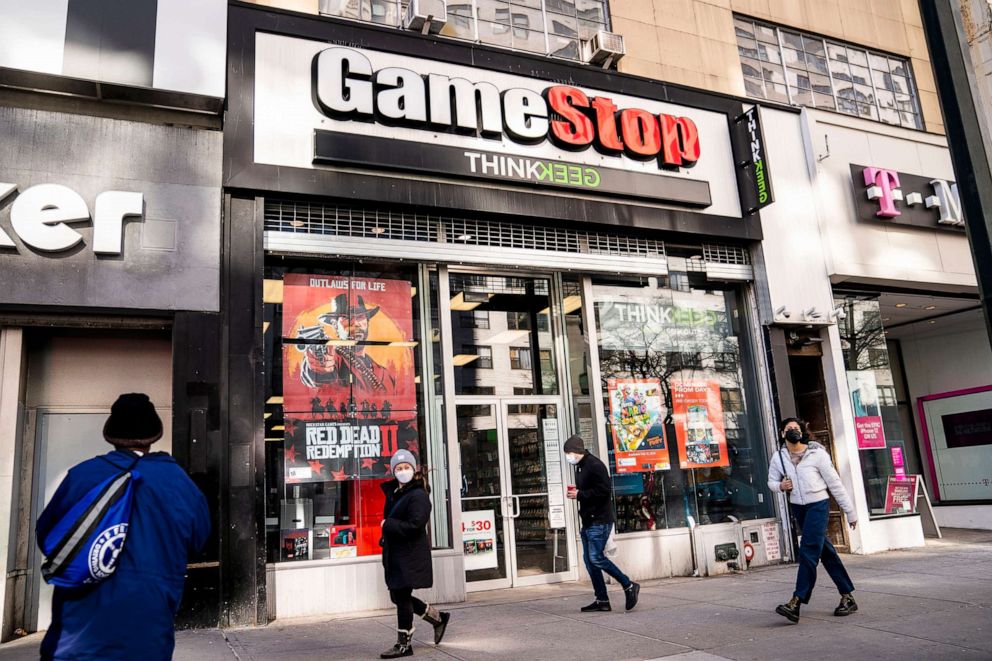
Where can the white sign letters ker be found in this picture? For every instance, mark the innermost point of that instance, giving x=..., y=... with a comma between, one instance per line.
x=40, y=216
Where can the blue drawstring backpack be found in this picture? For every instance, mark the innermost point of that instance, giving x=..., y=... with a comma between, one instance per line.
x=83, y=548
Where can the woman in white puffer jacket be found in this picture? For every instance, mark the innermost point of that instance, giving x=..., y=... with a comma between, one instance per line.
x=805, y=471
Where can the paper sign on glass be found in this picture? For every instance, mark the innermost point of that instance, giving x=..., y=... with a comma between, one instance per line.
x=637, y=425
x=867, y=416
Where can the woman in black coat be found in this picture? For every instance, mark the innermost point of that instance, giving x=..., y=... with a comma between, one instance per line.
x=406, y=551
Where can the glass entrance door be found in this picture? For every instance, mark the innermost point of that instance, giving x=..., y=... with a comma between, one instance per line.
x=514, y=525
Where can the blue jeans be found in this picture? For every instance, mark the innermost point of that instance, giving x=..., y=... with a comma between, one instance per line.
x=593, y=544
x=812, y=522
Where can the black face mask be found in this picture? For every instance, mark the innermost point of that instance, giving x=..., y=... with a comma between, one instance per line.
x=794, y=436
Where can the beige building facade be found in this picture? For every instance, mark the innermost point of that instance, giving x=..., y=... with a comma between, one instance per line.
x=693, y=42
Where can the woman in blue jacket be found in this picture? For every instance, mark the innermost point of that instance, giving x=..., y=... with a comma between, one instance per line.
x=805, y=472
x=130, y=614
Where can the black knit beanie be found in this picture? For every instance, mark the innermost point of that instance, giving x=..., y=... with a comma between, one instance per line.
x=133, y=422
x=575, y=444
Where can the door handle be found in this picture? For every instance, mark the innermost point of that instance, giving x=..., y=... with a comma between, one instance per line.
x=516, y=509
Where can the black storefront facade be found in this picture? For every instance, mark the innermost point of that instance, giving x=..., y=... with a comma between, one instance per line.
x=473, y=254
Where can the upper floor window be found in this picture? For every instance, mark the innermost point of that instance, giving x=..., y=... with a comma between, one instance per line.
x=548, y=27
x=806, y=70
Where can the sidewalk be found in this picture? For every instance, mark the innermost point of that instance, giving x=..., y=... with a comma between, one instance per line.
x=934, y=602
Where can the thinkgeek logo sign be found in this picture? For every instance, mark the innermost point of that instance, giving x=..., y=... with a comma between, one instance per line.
x=346, y=86
x=908, y=199
x=756, y=185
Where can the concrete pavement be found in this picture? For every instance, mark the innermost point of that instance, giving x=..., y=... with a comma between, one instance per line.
x=934, y=602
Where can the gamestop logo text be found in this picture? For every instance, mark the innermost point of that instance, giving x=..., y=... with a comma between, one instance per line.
x=346, y=86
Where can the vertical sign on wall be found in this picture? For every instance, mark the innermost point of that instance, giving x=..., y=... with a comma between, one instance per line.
x=867, y=416
x=754, y=178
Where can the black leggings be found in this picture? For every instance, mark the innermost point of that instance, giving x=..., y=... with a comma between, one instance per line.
x=406, y=606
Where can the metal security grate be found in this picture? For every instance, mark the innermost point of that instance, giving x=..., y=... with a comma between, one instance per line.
x=336, y=220
x=344, y=221
x=723, y=254
x=510, y=235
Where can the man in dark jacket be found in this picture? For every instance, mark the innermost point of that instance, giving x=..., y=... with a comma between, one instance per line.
x=130, y=614
x=593, y=492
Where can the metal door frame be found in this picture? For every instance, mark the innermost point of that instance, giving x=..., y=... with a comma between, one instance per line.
x=452, y=401
x=510, y=502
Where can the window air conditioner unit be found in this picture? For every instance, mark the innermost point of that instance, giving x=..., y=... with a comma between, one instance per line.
x=604, y=49
x=426, y=16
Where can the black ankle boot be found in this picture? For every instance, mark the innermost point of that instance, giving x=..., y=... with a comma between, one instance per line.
x=847, y=605
x=403, y=646
x=437, y=619
x=596, y=606
x=790, y=610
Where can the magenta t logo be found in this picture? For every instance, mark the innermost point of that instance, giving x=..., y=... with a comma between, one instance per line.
x=883, y=185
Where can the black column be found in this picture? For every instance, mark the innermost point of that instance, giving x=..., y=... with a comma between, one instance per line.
x=197, y=446
x=242, y=481
x=972, y=170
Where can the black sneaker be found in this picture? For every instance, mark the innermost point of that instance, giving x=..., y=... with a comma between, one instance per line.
x=789, y=610
x=630, y=594
x=847, y=606
x=596, y=606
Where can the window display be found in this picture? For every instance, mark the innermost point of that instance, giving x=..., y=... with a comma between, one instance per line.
x=344, y=361
x=674, y=376
x=876, y=418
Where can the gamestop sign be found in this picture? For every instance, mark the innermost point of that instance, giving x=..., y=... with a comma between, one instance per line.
x=317, y=105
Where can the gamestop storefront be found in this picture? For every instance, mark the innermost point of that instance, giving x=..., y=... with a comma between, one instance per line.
x=473, y=254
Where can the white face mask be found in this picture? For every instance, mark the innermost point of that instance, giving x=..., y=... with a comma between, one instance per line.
x=573, y=458
x=404, y=475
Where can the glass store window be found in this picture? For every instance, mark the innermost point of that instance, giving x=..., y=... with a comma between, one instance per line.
x=511, y=355
x=878, y=417
x=346, y=369
x=552, y=27
x=675, y=370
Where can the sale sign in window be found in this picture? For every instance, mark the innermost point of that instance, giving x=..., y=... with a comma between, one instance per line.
x=479, y=539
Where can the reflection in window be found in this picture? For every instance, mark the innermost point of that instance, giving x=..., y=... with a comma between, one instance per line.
x=484, y=360
x=516, y=24
x=681, y=436
x=806, y=70
x=872, y=392
x=517, y=313
x=520, y=358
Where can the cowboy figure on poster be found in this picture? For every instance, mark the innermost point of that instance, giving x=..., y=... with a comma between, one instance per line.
x=348, y=375
x=353, y=345
x=332, y=363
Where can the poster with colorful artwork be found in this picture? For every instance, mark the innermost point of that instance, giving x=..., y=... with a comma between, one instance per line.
x=349, y=393
x=343, y=541
x=637, y=425
x=698, y=414
x=867, y=416
x=295, y=544
x=331, y=448
x=348, y=345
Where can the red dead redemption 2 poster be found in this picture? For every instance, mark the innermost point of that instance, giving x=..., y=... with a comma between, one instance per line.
x=348, y=376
